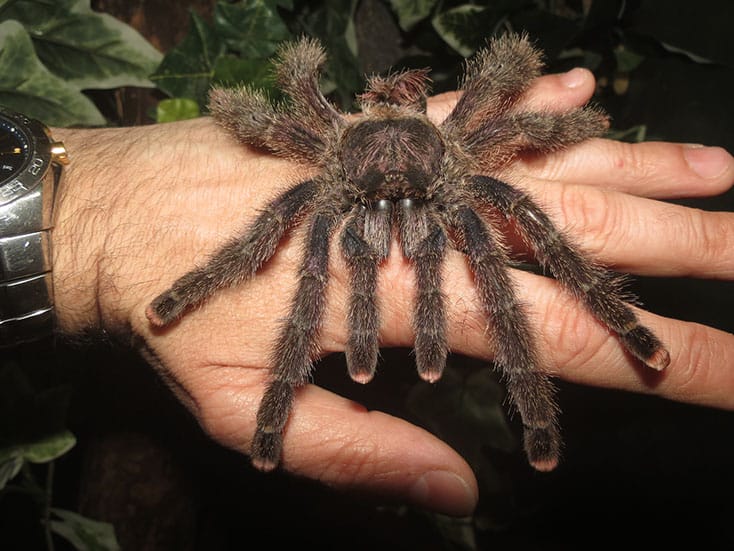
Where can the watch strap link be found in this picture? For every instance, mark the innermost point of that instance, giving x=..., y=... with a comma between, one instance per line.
x=26, y=291
x=26, y=285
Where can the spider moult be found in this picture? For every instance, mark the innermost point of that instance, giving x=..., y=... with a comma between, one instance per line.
x=393, y=173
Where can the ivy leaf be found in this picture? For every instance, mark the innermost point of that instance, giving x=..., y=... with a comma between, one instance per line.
x=634, y=134
x=187, y=70
x=89, y=49
x=462, y=27
x=49, y=448
x=705, y=36
x=410, y=12
x=176, y=109
x=43, y=450
x=30, y=11
x=9, y=468
x=627, y=60
x=334, y=24
x=83, y=533
x=27, y=86
x=466, y=411
x=231, y=70
x=252, y=28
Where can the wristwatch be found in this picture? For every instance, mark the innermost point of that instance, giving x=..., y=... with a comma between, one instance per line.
x=30, y=169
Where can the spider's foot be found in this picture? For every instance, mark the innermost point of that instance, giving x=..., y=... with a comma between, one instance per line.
x=542, y=447
x=362, y=377
x=430, y=360
x=164, y=309
x=361, y=362
x=645, y=346
x=659, y=360
x=431, y=375
x=266, y=450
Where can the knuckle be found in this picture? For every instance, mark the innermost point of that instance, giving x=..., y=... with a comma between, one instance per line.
x=692, y=372
x=345, y=459
x=630, y=161
x=711, y=235
x=226, y=411
x=573, y=331
x=592, y=218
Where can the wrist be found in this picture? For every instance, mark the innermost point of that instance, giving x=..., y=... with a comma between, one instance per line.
x=78, y=231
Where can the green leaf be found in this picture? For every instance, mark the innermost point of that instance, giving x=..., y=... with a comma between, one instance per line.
x=333, y=23
x=89, y=49
x=187, y=70
x=30, y=11
x=9, y=468
x=410, y=12
x=627, y=60
x=634, y=134
x=231, y=70
x=83, y=533
x=581, y=58
x=253, y=28
x=700, y=31
x=27, y=86
x=49, y=448
x=462, y=27
x=176, y=109
x=467, y=412
x=44, y=449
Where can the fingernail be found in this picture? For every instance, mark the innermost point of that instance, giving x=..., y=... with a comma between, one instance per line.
x=574, y=78
x=707, y=162
x=444, y=491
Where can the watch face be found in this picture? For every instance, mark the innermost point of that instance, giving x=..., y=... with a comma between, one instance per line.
x=14, y=149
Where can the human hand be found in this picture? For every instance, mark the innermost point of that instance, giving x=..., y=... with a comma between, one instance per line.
x=164, y=197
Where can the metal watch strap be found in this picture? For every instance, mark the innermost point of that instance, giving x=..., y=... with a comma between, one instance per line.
x=26, y=287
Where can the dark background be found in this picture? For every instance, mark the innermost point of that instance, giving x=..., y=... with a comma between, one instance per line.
x=637, y=470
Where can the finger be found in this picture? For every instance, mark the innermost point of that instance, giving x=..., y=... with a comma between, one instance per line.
x=556, y=92
x=650, y=169
x=340, y=443
x=580, y=350
x=576, y=347
x=639, y=235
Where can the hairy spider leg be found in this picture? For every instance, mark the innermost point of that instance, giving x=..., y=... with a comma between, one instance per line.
x=592, y=284
x=250, y=117
x=494, y=79
x=497, y=140
x=365, y=243
x=297, y=344
x=529, y=389
x=423, y=241
x=297, y=71
x=238, y=259
x=295, y=132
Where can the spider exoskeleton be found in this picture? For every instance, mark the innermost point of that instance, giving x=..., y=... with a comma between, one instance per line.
x=393, y=172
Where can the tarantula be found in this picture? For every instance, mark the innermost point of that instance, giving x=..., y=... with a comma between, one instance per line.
x=391, y=172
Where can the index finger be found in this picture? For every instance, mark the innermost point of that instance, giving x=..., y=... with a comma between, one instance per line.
x=649, y=169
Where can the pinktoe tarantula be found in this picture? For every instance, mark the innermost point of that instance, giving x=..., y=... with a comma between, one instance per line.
x=392, y=171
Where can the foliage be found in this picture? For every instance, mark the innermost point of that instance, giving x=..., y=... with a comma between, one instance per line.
x=51, y=51
x=29, y=446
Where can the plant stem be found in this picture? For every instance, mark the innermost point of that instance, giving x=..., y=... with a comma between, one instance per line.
x=47, y=506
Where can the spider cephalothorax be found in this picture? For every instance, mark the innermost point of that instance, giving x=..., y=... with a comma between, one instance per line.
x=393, y=172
